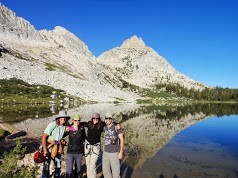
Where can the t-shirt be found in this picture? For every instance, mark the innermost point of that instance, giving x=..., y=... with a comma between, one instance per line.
x=111, y=135
x=55, y=131
x=94, y=134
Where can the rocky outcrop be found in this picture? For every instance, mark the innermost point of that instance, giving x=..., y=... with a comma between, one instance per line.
x=8, y=127
x=13, y=27
x=134, y=42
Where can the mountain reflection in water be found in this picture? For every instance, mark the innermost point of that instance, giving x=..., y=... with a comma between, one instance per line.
x=148, y=129
x=206, y=149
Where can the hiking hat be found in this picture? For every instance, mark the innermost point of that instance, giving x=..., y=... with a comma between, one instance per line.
x=76, y=117
x=96, y=115
x=108, y=115
x=62, y=113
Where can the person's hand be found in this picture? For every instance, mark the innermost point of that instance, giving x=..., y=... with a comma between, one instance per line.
x=68, y=129
x=46, y=152
x=120, y=155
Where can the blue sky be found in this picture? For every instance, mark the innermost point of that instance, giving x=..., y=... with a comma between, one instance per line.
x=199, y=38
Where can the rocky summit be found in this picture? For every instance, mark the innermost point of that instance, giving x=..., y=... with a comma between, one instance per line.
x=140, y=65
x=60, y=59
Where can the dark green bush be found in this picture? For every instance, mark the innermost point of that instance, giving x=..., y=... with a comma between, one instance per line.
x=19, y=87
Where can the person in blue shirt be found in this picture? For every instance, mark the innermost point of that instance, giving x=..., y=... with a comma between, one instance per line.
x=51, y=139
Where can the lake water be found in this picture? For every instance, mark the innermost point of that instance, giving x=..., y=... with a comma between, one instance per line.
x=209, y=148
x=163, y=141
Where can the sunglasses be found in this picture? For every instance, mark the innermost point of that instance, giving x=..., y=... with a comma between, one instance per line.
x=95, y=118
x=108, y=118
x=77, y=120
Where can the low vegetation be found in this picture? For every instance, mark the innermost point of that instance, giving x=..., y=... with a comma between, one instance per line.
x=50, y=67
x=15, y=91
x=208, y=94
x=19, y=112
x=178, y=92
x=20, y=56
x=178, y=110
x=10, y=167
x=2, y=133
x=130, y=87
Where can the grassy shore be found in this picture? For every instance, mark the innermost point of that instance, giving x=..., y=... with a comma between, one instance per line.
x=15, y=91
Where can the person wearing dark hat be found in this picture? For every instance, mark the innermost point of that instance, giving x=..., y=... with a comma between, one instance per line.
x=92, y=147
x=75, y=149
x=93, y=144
x=52, y=144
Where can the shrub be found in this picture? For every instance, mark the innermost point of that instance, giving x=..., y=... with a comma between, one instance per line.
x=9, y=166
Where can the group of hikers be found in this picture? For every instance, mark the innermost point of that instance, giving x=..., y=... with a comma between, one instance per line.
x=84, y=139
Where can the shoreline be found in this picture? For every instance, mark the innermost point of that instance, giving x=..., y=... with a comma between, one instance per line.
x=32, y=145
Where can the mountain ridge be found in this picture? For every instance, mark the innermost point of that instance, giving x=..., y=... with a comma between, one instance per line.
x=137, y=61
x=60, y=59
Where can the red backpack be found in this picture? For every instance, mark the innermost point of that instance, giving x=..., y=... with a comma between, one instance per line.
x=39, y=156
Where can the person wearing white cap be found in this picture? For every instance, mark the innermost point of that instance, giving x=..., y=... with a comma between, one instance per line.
x=51, y=139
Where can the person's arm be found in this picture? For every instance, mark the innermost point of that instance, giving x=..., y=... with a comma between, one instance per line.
x=67, y=128
x=84, y=124
x=120, y=155
x=44, y=143
x=66, y=133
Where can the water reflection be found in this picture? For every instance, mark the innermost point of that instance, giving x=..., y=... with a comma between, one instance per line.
x=206, y=149
x=21, y=112
x=148, y=129
x=147, y=133
x=17, y=113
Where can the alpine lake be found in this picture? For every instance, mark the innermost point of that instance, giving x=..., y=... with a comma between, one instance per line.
x=169, y=140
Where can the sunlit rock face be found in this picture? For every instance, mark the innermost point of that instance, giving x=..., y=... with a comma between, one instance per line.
x=56, y=58
x=142, y=66
x=60, y=59
x=15, y=29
